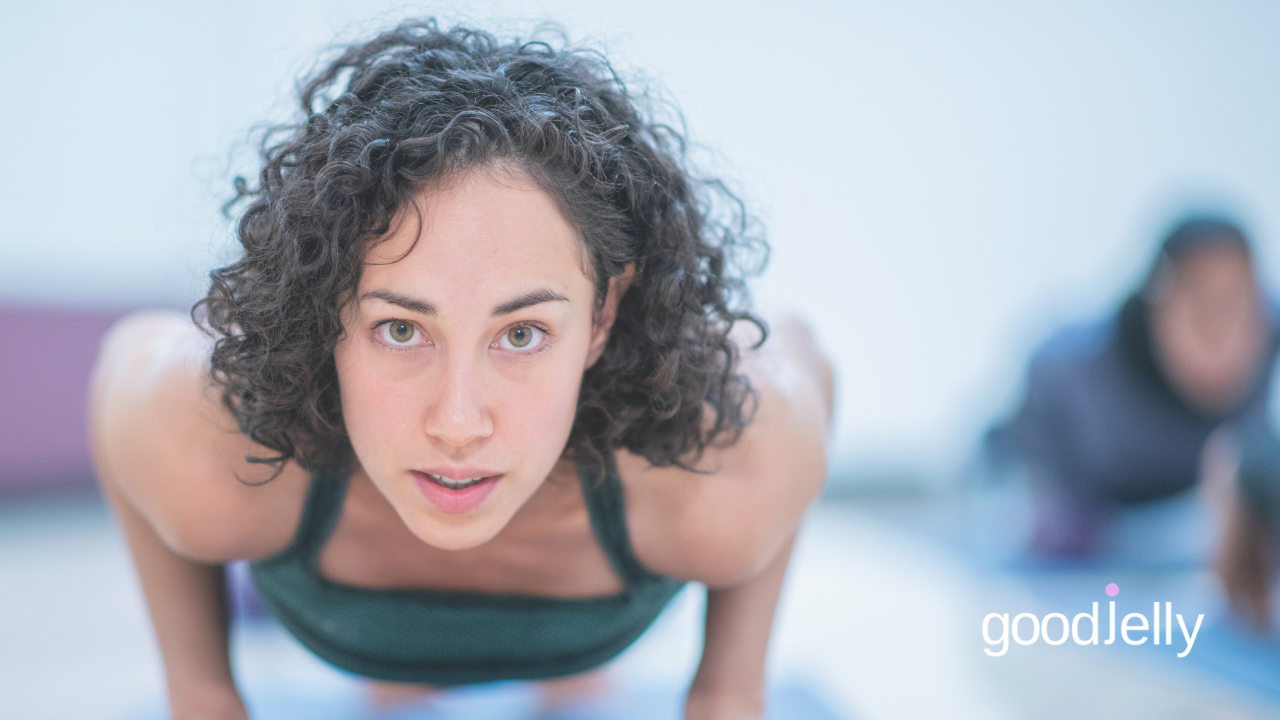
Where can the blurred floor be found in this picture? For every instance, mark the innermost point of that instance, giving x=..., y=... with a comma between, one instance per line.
x=879, y=619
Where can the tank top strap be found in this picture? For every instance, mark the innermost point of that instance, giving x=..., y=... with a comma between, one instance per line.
x=320, y=513
x=606, y=506
x=602, y=495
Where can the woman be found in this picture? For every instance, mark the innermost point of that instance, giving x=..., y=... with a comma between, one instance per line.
x=1122, y=412
x=474, y=405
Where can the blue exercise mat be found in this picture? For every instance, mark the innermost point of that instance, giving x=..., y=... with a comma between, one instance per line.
x=1161, y=553
x=1227, y=652
x=1222, y=649
x=507, y=701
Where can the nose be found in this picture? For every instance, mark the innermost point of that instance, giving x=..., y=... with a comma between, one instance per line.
x=458, y=415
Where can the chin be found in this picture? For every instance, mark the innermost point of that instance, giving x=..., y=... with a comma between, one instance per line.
x=456, y=533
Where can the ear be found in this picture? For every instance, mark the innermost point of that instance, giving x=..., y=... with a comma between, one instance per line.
x=608, y=313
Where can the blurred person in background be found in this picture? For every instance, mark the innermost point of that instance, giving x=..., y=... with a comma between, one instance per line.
x=1170, y=392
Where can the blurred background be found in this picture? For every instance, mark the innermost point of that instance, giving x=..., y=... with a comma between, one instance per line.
x=943, y=184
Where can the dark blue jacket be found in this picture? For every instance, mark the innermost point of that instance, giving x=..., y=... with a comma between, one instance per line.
x=1100, y=420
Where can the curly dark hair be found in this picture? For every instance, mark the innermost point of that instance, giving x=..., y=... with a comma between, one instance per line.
x=416, y=104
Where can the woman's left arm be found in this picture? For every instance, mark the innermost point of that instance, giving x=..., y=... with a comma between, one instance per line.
x=732, y=526
x=729, y=684
x=778, y=471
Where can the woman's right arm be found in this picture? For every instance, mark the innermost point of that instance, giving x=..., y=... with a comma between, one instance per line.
x=167, y=456
x=187, y=600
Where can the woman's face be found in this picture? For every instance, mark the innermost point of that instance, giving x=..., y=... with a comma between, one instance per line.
x=1209, y=327
x=463, y=354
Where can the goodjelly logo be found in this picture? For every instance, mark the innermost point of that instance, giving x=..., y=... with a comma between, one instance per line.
x=1054, y=628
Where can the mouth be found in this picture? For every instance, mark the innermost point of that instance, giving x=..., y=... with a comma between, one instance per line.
x=455, y=496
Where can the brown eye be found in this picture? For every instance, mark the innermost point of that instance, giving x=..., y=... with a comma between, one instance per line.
x=520, y=336
x=523, y=339
x=400, y=331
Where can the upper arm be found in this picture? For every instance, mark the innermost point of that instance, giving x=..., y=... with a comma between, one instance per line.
x=729, y=523
x=1058, y=385
x=164, y=444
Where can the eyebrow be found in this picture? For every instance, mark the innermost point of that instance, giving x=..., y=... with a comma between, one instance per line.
x=536, y=297
x=404, y=301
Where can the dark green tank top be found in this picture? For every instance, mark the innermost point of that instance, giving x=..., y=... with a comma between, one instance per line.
x=454, y=638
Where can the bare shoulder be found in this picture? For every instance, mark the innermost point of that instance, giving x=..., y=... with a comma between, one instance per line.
x=164, y=444
x=726, y=522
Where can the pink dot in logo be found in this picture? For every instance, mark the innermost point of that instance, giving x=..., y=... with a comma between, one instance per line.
x=1112, y=589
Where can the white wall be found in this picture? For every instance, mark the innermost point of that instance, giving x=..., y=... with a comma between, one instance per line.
x=942, y=181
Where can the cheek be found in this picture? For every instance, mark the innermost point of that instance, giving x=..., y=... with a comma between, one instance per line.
x=373, y=406
x=538, y=410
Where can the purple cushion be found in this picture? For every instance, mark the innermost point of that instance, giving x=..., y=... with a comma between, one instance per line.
x=46, y=356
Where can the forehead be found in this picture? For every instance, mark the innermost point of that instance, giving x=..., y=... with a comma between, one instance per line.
x=486, y=229
x=1224, y=263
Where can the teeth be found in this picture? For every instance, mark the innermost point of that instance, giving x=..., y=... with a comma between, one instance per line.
x=454, y=484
